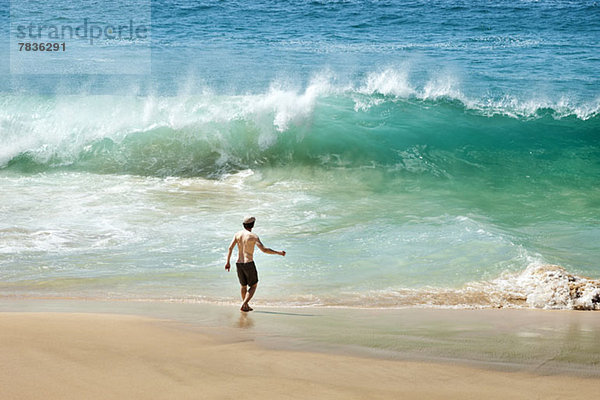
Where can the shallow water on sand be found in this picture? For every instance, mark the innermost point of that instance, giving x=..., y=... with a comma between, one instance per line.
x=544, y=342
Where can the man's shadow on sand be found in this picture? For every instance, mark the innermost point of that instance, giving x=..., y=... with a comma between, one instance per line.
x=246, y=321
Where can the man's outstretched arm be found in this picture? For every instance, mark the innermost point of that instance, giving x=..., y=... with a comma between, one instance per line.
x=268, y=250
x=230, y=250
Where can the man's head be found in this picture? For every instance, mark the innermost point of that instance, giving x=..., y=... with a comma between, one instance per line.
x=249, y=223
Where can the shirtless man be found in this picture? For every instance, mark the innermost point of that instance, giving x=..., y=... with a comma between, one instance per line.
x=246, y=269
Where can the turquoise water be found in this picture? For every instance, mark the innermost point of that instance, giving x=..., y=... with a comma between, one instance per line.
x=440, y=154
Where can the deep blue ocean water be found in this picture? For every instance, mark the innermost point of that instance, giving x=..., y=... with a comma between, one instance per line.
x=403, y=153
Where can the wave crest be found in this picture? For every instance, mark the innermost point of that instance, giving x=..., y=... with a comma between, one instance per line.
x=208, y=133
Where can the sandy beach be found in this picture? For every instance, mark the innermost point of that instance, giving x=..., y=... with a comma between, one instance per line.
x=97, y=356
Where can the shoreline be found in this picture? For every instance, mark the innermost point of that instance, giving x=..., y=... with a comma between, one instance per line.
x=551, y=342
x=546, y=286
x=70, y=355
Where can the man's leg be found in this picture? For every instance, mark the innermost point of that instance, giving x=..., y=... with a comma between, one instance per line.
x=244, y=291
x=249, y=294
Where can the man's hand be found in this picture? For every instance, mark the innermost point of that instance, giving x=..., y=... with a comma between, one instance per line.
x=227, y=266
x=282, y=253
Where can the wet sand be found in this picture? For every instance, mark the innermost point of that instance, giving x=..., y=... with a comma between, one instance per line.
x=97, y=356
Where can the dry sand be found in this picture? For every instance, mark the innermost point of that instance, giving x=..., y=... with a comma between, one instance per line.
x=99, y=356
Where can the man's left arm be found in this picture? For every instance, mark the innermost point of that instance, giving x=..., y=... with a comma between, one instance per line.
x=267, y=250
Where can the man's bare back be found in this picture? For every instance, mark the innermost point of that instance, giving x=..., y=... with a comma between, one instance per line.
x=245, y=241
x=247, y=274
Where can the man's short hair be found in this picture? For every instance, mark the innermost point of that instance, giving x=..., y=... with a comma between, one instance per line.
x=249, y=225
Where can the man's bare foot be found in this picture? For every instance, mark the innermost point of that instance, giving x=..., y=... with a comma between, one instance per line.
x=246, y=308
x=250, y=308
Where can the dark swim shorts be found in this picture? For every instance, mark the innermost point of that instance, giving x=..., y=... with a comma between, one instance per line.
x=247, y=273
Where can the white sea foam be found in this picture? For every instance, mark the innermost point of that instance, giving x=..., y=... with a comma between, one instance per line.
x=538, y=286
x=550, y=287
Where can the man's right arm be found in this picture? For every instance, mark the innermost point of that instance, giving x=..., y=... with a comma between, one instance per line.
x=230, y=250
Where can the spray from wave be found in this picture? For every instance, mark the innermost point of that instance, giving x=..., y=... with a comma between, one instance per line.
x=209, y=134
